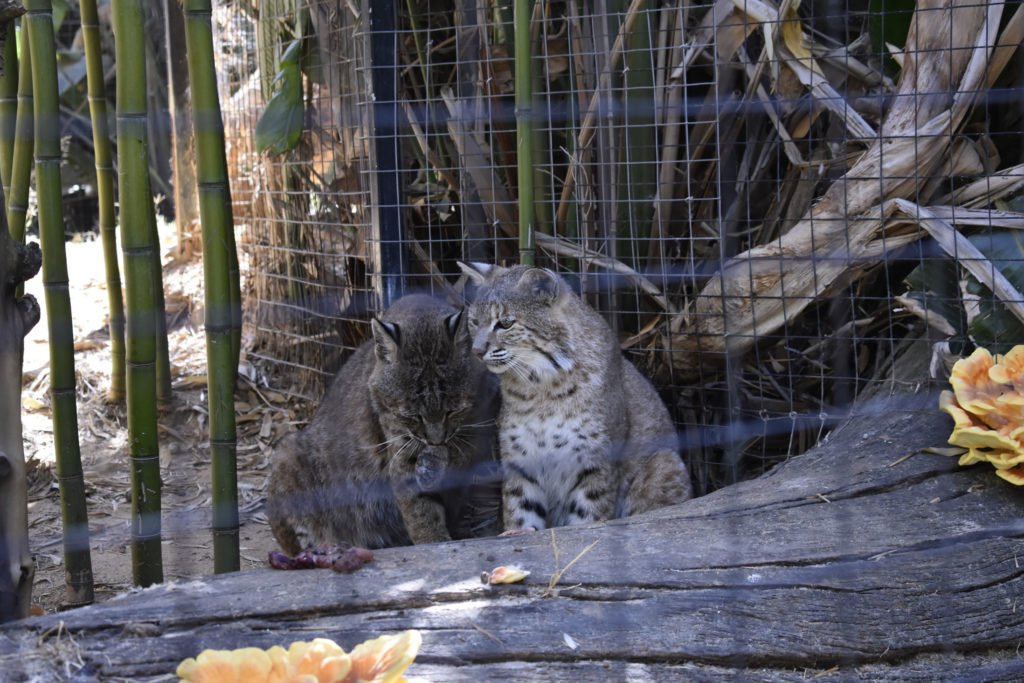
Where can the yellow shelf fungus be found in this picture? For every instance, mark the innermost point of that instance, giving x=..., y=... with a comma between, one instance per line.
x=987, y=407
x=381, y=660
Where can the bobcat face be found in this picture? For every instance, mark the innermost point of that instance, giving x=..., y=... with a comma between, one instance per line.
x=514, y=324
x=424, y=383
x=497, y=341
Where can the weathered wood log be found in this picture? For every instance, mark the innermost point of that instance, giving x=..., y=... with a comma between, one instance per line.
x=863, y=557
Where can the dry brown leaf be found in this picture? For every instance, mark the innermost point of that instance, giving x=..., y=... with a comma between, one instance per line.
x=33, y=405
x=191, y=382
x=87, y=345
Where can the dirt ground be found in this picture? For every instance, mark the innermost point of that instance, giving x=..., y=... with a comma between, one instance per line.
x=263, y=417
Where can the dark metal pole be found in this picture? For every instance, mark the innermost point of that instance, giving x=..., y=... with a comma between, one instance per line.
x=386, y=183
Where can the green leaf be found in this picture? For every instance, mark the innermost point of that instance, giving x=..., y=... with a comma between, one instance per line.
x=935, y=285
x=280, y=124
x=995, y=327
x=889, y=22
x=60, y=10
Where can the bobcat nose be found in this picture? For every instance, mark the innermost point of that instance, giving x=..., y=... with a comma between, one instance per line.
x=480, y=343
x=434, y=434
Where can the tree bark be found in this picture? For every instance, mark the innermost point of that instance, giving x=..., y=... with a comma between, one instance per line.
x=17, y=316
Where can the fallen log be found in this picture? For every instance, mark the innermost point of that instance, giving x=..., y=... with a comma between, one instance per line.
x=863, y=558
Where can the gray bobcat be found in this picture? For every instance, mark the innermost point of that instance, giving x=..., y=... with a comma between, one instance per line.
x=398, y=451
x=583, y=435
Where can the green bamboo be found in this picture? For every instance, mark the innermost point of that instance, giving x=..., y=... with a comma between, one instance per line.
x=524, y=129
x=163, y=354
x=220, y=273
x=104, y=191
x=78, y=577
x=140, y=284
x=24, y=135
x=8, y=107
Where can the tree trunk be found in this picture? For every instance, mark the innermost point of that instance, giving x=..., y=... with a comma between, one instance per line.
x=17, y=316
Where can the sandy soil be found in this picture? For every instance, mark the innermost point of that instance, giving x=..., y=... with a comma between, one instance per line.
x=263, y=415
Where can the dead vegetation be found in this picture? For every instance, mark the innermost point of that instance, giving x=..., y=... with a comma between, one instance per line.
x=263, y=417
x=741, y=187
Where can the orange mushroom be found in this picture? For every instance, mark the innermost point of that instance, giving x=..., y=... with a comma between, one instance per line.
x=381, y=660
x=987, y=407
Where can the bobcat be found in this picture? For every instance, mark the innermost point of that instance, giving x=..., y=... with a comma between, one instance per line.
x=396, y=452
x=583, y=435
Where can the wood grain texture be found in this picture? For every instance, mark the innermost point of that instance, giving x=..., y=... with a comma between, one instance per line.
x=849, y=560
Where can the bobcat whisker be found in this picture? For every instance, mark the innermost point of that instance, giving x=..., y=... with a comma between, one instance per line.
x=456, y=440
x=388, y=442
x=524, y=372
x=473, y=425
x=410, y=443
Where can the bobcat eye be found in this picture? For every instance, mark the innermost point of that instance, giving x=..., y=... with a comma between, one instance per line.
x=506, y=322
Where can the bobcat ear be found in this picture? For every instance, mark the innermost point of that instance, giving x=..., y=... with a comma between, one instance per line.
x=387, y=337
x=541, y=283
x=453, y=324
x=478, y=272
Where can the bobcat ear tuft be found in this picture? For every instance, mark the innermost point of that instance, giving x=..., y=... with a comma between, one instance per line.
x=452, y=324
x=541, y=283
x=479, y=272
x=387, y=338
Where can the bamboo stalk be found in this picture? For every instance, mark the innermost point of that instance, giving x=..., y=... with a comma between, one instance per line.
x=220, y=277
x=140, y=282
x=24, y=134
x=8, y=106
x=78, y=577
x=163, y=355
x=524, y=129
x=105, y=192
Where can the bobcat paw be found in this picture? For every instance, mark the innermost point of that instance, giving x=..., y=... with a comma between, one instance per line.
x=431, y=466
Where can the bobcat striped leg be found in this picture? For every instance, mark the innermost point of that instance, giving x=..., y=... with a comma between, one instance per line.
x=523, y=499
x=592, y=498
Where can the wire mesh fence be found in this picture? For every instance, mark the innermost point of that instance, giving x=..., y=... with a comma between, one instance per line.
x=765, y=201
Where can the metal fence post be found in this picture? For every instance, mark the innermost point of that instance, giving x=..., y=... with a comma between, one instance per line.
x=385, y=177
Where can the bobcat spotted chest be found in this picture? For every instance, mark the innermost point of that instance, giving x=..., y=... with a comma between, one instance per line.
x=396, y=450
x=583, y=436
